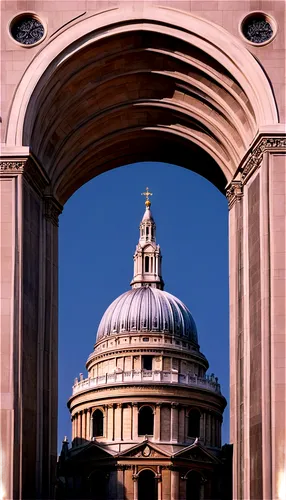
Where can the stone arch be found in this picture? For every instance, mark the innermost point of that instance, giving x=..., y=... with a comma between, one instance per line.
x=184, y=97
x=147, y=484
x=203, y=103
x=195, y=485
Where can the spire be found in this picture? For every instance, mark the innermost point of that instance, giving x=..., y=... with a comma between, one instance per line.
x=147, y=257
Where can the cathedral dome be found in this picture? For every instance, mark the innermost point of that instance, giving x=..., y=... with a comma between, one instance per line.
x=148, y=309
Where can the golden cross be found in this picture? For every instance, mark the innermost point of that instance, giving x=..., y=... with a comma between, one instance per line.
x=147, y=194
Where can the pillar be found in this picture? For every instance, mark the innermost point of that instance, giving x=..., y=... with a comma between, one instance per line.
x=159, y=483
x=79, y=426
x=135, y=487
x=157, y=422
x=174, y=422
x=110, y=428
x=257, y=235
x=135, y=421
x=29, y=330
x=90, y=423
x=118, y=422
x=83, y=432
x=175, y=485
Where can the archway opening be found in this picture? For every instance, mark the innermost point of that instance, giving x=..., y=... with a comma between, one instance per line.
x=98, y=485
x=146, y=421
x=194, y=419
x=147, y=485
x=194, y=486
x=97, y=423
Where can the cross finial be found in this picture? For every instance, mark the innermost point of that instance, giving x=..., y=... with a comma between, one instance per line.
x=147, y=194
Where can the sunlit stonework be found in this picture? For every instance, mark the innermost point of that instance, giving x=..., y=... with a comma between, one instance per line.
x=147, y=419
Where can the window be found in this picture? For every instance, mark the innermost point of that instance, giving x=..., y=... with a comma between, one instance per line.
x=145, y=421
x=147, y=264
x=194, y=423
x=97, y=423
x=147, y=361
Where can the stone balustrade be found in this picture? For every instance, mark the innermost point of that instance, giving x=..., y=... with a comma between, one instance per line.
x=133, y=376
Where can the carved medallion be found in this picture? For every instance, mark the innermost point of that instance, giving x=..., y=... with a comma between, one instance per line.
x=27, y=30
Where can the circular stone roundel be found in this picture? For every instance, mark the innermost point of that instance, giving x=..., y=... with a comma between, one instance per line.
x=258, y=28
x=27, y=29
x=146, y=452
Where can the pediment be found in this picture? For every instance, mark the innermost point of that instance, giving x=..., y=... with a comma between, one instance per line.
x=144, y=450
x=91, y=451
x=197, y=453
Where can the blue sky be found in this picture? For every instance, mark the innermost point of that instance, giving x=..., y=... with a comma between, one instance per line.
x=98, y=234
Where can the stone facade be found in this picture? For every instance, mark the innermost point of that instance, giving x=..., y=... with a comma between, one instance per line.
x=110, y=83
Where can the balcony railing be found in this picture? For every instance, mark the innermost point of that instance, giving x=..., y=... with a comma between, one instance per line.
x=146, y=376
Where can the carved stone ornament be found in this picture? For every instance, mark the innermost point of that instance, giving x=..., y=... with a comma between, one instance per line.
x=256, y=157
x=253, y=161
x=12, y=166
x=146, y=451
x=52, y=210
x=234, y=193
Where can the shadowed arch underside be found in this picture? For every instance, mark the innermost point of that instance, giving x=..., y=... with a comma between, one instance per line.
x=136, y=96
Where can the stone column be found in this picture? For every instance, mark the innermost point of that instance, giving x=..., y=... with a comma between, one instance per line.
x=83, y=432
x=118, y=422
x=135, y=487
x=79, y=427
x=29, y=340
x=175, y=485
x=257, y=232
x=174, y=422
x=159, y=483
x=90, y=423
x=120, y=482
x=110, y=430
x=157, y=422
x=135, y=421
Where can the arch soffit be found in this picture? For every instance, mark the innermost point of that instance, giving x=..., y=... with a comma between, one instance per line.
x=199, y=32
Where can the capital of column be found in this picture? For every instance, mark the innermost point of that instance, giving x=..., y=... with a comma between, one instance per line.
x=251, y=162
x=234, y=193
x=255, y=156
x=52, y=209
x=27, y=166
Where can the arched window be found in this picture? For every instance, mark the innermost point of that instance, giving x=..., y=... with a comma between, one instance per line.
x=194, y=423
x=147, y=264
x=194, y=485
x=97, y=423
x=147, y=485
x=145, y=421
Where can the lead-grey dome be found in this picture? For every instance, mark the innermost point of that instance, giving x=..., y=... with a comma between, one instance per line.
x=148, y=309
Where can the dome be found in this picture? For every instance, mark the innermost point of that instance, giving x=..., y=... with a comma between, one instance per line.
x=148, y=309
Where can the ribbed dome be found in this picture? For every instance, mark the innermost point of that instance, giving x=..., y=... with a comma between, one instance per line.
x=148, y=309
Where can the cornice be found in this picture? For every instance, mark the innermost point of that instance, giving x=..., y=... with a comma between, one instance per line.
x=264, y=143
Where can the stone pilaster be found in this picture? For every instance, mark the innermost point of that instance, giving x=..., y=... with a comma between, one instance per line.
x=175, y=485
x=257, y=322
x=135, y=421
x=157, y=422
x=118, y=422
x=174, y=422
x=110, y=428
